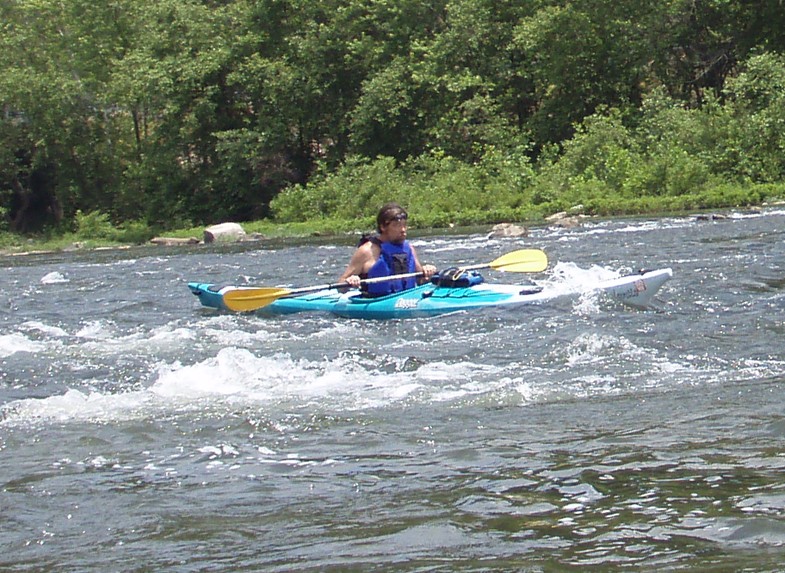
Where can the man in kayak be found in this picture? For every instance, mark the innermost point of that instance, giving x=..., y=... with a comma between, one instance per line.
x=385, y=254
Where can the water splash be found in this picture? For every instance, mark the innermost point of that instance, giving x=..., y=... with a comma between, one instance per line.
x=11, y=344
x=54, y=278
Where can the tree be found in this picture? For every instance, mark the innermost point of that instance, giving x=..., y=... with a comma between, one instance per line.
x=56, y=60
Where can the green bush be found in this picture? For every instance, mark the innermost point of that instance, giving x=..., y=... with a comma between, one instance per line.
x=135, y=232
x=435, y=188
x=94, y=225
x=662, y=157
x=356, y=189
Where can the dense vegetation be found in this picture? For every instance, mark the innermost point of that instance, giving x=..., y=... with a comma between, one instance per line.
x=133, y=115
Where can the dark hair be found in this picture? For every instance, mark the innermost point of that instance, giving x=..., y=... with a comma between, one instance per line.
x=390, y=212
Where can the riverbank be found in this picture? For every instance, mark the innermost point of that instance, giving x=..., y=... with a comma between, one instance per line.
x=266, y=231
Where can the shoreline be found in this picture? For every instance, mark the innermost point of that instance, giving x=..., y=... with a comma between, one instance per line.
x=316, y=235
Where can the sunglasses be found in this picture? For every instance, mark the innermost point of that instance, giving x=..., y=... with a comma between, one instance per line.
x=398, y=217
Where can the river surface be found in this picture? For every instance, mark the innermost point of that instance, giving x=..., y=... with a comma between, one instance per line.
x=141, y=432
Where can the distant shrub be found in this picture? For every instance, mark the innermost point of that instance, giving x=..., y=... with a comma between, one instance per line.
x=435, y=188
x=136, y=232
x=94, y=225
x=662, y=156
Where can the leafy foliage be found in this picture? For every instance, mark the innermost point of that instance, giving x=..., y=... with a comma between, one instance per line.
x=140, y=114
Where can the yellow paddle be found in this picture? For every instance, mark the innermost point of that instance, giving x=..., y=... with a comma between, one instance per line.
x=247, y=299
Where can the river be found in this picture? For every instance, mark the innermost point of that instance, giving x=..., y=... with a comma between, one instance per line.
x=142, y=432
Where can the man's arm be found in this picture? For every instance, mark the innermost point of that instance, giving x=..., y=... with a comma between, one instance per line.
x=357, y=265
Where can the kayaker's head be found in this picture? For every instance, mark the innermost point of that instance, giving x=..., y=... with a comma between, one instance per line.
x=391, y=222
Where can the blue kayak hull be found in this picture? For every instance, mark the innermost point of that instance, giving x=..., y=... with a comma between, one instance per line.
x=429, y=300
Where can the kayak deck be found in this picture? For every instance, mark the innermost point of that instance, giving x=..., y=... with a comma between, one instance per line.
x=426, y=300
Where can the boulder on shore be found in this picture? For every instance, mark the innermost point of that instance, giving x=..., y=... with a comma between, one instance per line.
x=224, y=232
x=563, y=220
x=508, y=230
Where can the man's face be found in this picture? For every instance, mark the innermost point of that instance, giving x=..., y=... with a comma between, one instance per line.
x=394, y=230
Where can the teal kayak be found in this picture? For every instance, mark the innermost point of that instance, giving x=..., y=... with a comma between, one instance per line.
x=427, y=300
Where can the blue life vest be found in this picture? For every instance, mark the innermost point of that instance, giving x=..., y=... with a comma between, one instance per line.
x=394, y=260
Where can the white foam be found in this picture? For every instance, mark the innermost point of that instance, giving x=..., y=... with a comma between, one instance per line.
x=53, y=278
x=236, y=378
x=755, y=214
x=34, y=325
x=74, y=406
x=222, y=450
x=233, y=378
x=95, y=330
x=12, y=343
x=236, y=337
x=577, y=277
x=587, y=304
x=448, y=382
x=594, y=348
x=569, y=279
x=344, y=381
x=100, y=340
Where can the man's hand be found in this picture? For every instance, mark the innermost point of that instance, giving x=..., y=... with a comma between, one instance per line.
x=428, y=271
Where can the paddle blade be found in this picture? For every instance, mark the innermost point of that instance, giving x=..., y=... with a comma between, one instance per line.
x=248, y=299
x=521, y=261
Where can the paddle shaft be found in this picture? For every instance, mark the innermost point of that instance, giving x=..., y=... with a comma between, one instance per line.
x=417, y=274
x=296, y=291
